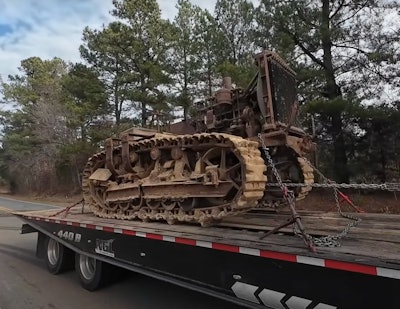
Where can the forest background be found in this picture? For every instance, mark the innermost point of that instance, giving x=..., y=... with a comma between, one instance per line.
x=346, y=54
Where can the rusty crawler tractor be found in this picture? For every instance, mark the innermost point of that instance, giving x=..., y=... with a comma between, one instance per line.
x=213, y=167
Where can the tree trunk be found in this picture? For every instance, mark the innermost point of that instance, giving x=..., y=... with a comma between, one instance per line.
x=144, y=115
x=185, y=85
x=382, y=174
x=117, y=111
x=333, y=92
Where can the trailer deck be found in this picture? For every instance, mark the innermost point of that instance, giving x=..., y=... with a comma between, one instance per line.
x=230, y=260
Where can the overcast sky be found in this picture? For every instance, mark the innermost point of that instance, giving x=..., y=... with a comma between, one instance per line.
x=53, y=28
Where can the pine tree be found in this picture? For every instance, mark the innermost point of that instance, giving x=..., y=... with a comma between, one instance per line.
x=341, y=48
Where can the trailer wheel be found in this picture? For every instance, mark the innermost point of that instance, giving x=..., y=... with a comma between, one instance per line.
x=58, y=258
x=92, y=273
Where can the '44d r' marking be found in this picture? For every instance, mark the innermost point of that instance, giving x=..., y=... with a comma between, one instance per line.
x=71, y=236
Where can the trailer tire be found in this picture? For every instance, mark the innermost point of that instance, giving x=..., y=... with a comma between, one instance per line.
x=58, y=258
x=92, y=273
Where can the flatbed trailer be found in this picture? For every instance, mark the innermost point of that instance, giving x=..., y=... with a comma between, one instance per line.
x=232, y=260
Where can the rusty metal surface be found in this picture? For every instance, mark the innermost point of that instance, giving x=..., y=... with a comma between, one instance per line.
x=226, y=172
x=101, y=174
x=161, y=176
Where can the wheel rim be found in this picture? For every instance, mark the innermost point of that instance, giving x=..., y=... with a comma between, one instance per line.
x=168, y=204
x=229, y=168
x=136, y=203
x=187, y=204
x=53, y=251
x=153, y=204
x=87, y=266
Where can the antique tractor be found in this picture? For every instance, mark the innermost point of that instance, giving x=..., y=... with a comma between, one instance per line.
x=210, y=166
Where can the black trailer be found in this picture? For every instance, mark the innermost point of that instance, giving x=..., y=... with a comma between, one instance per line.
x=232, y=260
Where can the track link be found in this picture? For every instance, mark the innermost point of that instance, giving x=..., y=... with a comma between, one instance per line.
x=308, y=175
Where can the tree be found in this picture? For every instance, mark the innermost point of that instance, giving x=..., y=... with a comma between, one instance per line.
x=336, y=44
x=34, y=132
x=185, y=58
x=236, y=21
x=150, y=43
x=86, y=98
x=131, y=56
x=235, y=18
x=88, y=109
x=55, y=126
x=378, y=145
x=107, y=51
x=212, y=47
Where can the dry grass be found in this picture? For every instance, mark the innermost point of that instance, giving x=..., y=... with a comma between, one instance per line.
x=373, y=201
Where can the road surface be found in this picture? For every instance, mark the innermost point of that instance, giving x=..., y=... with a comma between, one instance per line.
x=25, y=282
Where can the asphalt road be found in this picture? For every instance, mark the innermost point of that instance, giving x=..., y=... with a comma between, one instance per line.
x=22, y=205
x=26, y=283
